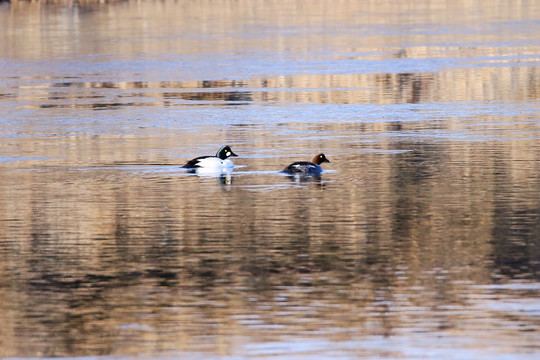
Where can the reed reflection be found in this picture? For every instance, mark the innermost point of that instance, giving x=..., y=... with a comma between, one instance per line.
x=149, y=246
x=392, y=88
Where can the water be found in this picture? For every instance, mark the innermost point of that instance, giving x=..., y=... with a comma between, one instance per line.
x=420, y=241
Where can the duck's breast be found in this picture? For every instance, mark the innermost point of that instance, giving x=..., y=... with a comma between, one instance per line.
x=227, y=164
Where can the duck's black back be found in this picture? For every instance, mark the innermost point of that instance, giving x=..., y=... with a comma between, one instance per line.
x=194, y=163
x=299, y=167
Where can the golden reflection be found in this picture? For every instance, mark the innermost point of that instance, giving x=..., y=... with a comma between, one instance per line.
x=468, y=84
x=108, y=248
x=197, y=31
x=103, y=256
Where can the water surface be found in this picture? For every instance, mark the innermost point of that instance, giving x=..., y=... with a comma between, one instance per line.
x=420, y=241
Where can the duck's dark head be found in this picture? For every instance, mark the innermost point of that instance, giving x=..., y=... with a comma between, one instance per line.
x=225, y=152
x=319, y=159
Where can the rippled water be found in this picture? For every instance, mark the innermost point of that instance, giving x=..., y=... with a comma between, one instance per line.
x=420, y=241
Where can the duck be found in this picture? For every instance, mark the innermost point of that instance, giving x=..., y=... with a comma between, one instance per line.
x=218, y=163
x=306, y=168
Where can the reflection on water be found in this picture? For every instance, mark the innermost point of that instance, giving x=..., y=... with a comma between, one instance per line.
x=326, y=89
x=420, y=240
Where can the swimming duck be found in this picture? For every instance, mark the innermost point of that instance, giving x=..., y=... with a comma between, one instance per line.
x=307, y=168
x=218, y=163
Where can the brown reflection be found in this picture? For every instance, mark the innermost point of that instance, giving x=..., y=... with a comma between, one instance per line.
x=100, y=255
x=95, y=261
x=232, y=96
x=457, y=84
x=483, y=67
x=516, y=234
x=409, y=88
x=74, y=98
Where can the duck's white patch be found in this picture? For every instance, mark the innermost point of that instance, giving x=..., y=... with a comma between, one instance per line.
x=214, y=165
x=210, y=163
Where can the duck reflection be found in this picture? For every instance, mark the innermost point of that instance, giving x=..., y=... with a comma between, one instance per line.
x=224, y=178
x=307, y=180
